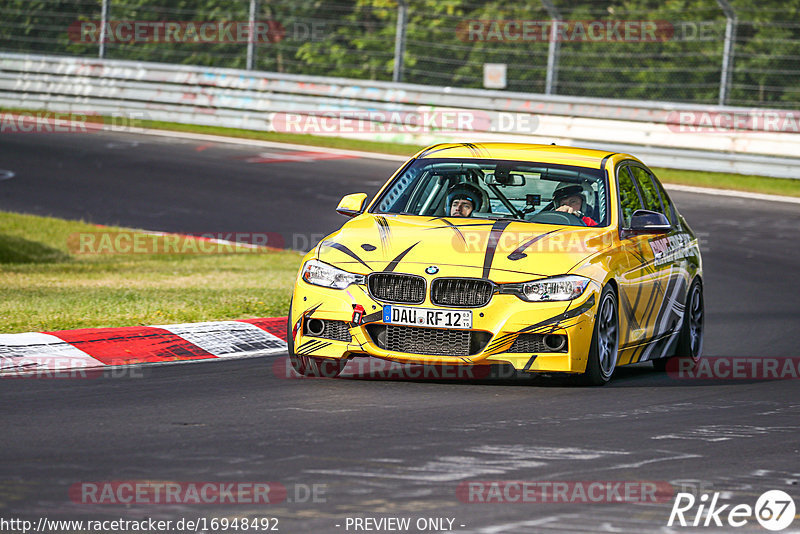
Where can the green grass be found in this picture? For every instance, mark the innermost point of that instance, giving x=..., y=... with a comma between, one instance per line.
x=46, y=284
x=737, y=182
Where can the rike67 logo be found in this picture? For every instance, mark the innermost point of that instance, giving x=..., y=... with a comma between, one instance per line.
x=774, y=510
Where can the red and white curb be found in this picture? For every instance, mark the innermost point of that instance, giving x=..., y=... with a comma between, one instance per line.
x=91, y=348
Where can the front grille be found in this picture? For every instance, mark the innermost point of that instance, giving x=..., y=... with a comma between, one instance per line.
x=337, y=330
x=433, y=341
x=461, y=292
x=532, y=343
x=394, y=287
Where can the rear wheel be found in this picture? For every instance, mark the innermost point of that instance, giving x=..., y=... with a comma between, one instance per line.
x=690, y=340
x=604, y=349
x=309, y=365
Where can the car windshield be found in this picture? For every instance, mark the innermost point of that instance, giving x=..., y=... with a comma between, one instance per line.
x=499, y=189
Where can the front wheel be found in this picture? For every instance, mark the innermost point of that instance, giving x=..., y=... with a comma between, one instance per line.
x=604, y=349
x=309, y=365
x=690, y=340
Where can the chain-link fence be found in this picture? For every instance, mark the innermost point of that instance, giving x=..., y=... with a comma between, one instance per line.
x=736, y=52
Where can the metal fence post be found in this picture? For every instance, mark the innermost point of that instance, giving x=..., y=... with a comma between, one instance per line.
x=727, y=52
x=400, y=41
x=251, y=43
x=553, y=48
x=103, y=23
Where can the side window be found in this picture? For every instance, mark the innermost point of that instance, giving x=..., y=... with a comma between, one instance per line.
x=650, y=196
x=628, y=196
x=669, y=209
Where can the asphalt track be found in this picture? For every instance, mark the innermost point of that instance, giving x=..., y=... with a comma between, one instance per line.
x=387, y=447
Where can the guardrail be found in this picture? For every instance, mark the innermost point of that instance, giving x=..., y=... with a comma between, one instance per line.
x=684, y=136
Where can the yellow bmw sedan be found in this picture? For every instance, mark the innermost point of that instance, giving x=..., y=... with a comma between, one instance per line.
x=551, y=259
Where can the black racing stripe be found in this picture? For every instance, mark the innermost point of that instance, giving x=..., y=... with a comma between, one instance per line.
x=383, y=230
x=494, y=237
x=628, y=309
x=448, y=224
x=640, y=350
x=311, y=310
x=433, y=149
x=500, y=345
x=393, y=264
x=652, y=301
x=315, y=348
x=342, y=248
x=502, y=340
x=307, y=345
x=568, y=314
x=530, y=362
x=473, y=149
x=603, y=162
x=461, y=225
x=519, y=253
x=666, y=304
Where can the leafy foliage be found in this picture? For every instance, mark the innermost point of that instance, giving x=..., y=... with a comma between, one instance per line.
x=356, y=39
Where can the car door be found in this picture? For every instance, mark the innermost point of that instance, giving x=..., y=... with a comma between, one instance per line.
x=663, y=261
x=639, y=284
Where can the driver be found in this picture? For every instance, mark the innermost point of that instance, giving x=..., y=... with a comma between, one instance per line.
x=462, y=199
x=568, y=198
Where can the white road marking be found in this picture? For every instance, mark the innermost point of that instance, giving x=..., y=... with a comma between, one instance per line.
x=6, y=175
x=715, y=433
x=124, y=144
x=484, y=461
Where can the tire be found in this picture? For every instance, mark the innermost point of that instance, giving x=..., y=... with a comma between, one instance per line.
x=309, y=365
x=690, y=339
x=604, y=349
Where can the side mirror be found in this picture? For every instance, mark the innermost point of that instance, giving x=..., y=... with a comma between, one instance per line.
x=352, y=204
x=648, y=222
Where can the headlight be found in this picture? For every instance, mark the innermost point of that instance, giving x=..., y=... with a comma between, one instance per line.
x=565, y=287
x=321, y=274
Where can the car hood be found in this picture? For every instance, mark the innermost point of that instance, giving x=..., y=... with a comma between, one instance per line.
x=501, y=250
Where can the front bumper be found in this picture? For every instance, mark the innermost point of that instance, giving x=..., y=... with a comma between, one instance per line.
x=504, y=318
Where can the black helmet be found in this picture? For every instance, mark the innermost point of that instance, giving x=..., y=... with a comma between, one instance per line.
x=465, y=191
x=567, y=189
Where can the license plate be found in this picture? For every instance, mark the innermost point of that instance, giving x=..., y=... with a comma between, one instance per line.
x=427, y=317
